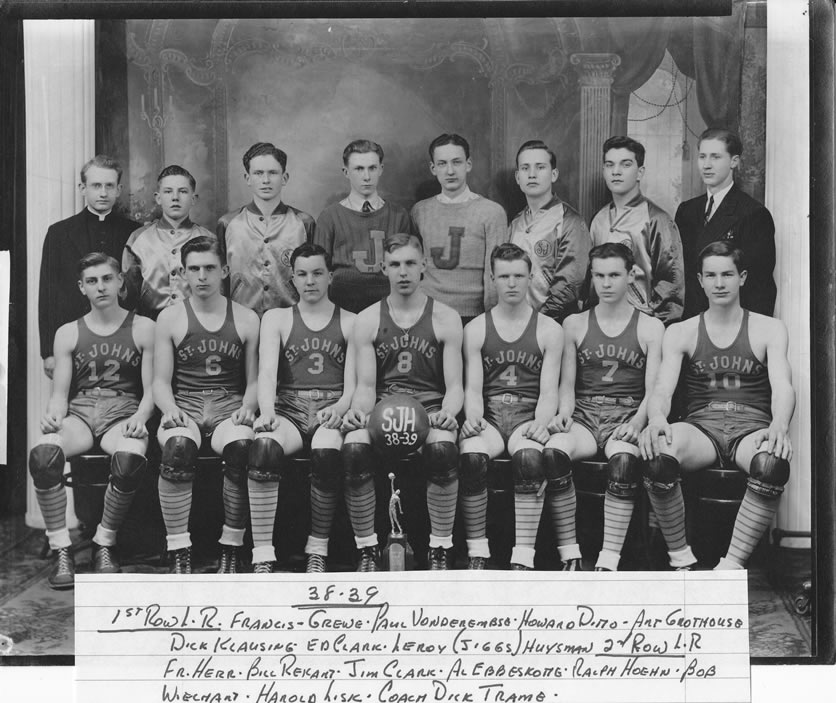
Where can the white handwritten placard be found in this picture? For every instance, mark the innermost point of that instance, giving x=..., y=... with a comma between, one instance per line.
x=459, y=636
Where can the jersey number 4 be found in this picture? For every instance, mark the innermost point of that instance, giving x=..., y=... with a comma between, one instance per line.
x=509, y=375
x=111, y=371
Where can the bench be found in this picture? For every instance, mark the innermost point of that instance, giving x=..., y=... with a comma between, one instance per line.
x=712, y=499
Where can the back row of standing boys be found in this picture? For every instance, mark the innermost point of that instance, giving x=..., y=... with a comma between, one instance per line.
x=311, y=371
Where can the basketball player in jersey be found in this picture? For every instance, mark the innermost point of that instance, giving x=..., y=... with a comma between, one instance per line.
x=406, y=343
x=101, y=394
x=610, y=362
x=305, y=382
x=739, y=399
x=205, y=376
x=512, y=356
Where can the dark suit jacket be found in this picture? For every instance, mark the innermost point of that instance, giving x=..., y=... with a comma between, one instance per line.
x=66, y=242
x=748, y=224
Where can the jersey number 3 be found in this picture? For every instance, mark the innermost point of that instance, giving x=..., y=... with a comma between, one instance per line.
x=318, y=364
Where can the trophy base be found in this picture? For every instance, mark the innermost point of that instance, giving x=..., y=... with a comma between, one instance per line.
x=398, y=555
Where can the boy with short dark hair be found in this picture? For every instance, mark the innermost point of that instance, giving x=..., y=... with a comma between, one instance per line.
x=151, y=260
x=631, y=219
x=205, y=377
x=260, y=237
x=460, y=230
x=353, y=230
x=101, y=394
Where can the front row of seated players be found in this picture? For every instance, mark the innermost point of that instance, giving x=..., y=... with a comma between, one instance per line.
x=101, y=394
x=738, y=392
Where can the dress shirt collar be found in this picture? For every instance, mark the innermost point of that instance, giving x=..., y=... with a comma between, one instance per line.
x=353, y=202
x=718, y=197
x=464, y=197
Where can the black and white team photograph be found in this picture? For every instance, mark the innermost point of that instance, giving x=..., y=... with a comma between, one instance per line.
x=543, y=293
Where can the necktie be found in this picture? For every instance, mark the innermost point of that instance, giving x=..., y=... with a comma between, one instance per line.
x=708, y=210
x=367, y=206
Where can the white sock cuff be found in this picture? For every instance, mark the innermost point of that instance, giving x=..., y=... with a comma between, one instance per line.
x=232, y=536
x=726, y=564
x=569, y=551
x=608, y=560
x=367, y=541
x=59, y=539
x=104, y=537
x=264, y=553
x=446, y=542
x=524, y=556
x=179, y=541
x=683, y=557
x=317, y=545
x=478, y=548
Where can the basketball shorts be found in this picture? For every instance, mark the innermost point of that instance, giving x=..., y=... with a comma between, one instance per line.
x=301, y=410
x=508, y=411
x=208, y=408
x=430, y=400
x=726, y=424
x=101, y=412
x=602, y=414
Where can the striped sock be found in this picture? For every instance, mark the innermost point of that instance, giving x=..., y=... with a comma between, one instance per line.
x=359, y=464
x=264, y=500
x=116, y=506
x=670, y=513
x=176, y=504
x=617, y=515
x=53, y=504
x=235, y=504
x=473, y=493
x=753, y=518
x=441, y=505
x=326, y=469
x=527, y=510
x=563, y=506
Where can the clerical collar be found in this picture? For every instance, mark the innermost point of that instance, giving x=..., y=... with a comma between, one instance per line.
x=98, y=215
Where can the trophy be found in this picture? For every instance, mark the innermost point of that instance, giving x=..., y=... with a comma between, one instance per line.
x=398, y=555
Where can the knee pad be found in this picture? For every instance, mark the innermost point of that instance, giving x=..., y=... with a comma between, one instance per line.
x=358, y=463
x=46, y=464
x=768, y=474
x=125, y=470
x=661, y=474
x=265, y=458
x=326, y=469
x=527, y=468
x=558, y=470
x=622, y=480
x=236, y=456
x=178, y=458
x=441, y=460
x=473, y=474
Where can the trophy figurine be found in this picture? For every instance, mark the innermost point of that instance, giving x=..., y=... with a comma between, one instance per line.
x=398, y=554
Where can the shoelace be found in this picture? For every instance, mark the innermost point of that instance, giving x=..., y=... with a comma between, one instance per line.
x=316, y=564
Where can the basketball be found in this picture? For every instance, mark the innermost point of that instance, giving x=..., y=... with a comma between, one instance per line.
x=398, y=425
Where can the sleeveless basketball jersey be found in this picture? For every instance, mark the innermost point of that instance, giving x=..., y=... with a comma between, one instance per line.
x=110, y=361
x=207, y=359
x=511, y=367
x=411, y=357
x=311, y=359
x=724, y=374
x=611, y=366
